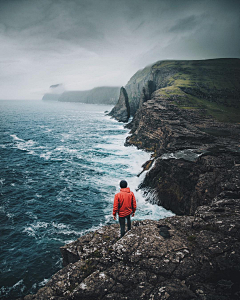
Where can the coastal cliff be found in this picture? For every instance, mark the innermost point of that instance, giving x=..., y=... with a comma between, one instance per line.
x=98, y=95
x=194, y=155
x=194, y=171
x=211, y=84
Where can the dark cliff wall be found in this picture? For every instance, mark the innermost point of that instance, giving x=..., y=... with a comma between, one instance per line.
x=195, y=155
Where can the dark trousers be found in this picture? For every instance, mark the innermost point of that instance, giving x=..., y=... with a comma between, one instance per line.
x=122, y=224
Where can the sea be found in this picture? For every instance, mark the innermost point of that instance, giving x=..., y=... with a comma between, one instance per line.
x=61, y=164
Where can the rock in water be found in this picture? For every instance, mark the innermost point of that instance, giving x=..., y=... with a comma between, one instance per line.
x=121, y=110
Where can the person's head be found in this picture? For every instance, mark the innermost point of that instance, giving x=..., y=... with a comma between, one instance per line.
x=123, y=184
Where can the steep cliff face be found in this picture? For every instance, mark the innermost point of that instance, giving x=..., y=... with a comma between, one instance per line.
x=195, y=156
x=51, y=97
x=182, y=185
x=121, y=110
x=180, y=121
x=212, y=84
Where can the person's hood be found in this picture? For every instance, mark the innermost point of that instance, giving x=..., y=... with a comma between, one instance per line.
x=126, y=190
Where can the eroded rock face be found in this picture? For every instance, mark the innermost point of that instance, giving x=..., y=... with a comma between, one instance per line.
x=182, y=185
x=195, y=156
x=182, y=257
x=161, y=126
x=121, y=110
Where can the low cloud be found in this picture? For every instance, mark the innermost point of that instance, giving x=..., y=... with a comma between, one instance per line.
x=84, y=44
x=186, y=24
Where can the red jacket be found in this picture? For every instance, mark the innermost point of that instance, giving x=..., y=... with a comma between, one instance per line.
x=124, y=203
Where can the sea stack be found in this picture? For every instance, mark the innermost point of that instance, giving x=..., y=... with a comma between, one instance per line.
x=121, y=110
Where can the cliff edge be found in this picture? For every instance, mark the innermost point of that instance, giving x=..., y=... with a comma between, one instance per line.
x=194, y=171
x=187, y=257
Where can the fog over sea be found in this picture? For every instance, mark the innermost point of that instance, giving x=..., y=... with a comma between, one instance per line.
x=61, y=164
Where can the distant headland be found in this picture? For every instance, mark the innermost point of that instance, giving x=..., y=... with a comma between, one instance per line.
x=98, y=95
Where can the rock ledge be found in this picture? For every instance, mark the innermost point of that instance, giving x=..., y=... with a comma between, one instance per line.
x=182, y=257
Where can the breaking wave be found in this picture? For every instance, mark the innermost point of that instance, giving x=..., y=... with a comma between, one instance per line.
x=61, y=166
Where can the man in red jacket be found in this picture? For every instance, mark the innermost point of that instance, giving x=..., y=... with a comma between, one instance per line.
x=125, y=205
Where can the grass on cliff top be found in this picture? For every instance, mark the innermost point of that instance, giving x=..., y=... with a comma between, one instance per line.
x=219, y=74
x=185, y=101
x=212, y=85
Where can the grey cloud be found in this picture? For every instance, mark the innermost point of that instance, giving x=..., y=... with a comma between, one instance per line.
x=186, y=24
x=87, y=43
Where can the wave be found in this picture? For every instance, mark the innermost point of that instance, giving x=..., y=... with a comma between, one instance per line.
x=56, y=231
x=16, y=138
x=65, y=180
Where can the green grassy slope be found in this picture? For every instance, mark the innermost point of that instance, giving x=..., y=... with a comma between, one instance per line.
x=212, y=85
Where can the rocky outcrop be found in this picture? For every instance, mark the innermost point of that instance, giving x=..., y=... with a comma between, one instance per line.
x=188, y=257
x=195, y=156
x=121, y=110
x=182, y=185
x=160, y=125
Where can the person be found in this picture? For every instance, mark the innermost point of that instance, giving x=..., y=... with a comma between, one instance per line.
x=125, y=205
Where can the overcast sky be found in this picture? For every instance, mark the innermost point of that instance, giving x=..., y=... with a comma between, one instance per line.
x=88, y=43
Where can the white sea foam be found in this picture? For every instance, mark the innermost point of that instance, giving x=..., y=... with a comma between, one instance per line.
x=16, y=138
x=2, y=209
x=31, y=215
x=66, y=136
x=43, y=283
x=23, y=145
x=18, y=283
x=46, y=155
x=130, y=161
x=53, y=228
x=65, y=149
x=10, y=216
x=98, y=171
x=17, y=286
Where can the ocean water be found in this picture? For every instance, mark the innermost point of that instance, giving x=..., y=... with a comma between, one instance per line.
x=61, y=164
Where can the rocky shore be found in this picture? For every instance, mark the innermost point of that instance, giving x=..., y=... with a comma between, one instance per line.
x=194, y=157
x=195, y=172
x=182, y=257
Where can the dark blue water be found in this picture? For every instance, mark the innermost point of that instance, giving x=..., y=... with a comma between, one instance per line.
x=61, y=164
